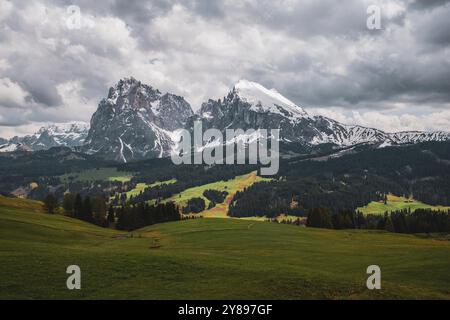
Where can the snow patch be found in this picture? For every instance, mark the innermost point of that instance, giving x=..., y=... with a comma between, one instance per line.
x=121, y=150
x=9, y=147
x=265, y=100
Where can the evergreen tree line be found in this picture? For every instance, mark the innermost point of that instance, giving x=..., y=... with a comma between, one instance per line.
x=420, y=170
x=132, y=217
x=402, y=221
x=127, y=217
x=92, y=210
x=299, y=196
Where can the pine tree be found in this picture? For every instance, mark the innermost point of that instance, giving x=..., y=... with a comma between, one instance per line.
x=99, y=211
x=50, y=204
x=121, y=219
x=320, y=218
x=87, y=210
x=68, y=203
x=111, y=217
x=78, y=207
x=388, y=225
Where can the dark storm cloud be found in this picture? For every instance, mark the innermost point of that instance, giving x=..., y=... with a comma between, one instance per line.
x=136, y=12
x=427, y=4
x=367, y=83
x=312, y=18
x=414, y=75
x=435, y=28
x=208, y=8
x=305, y=19
x=42, y=91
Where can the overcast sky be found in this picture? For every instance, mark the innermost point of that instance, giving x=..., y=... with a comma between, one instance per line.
x=318, y=53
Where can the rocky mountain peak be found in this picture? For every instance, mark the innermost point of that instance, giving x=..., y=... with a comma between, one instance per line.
x=266, y=100
x=129, y=92
x=136, y=121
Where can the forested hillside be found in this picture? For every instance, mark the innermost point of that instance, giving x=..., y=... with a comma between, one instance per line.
x=352, y=181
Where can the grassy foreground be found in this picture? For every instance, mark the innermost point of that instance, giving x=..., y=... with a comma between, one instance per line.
x=395, y=203
x=212, y=259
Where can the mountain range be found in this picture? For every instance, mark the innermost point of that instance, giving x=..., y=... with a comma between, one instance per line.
x=136, y=121
x=72, y=134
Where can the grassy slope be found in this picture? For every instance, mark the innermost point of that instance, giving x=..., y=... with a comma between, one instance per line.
x=213, y=259
x=31, y=205
x=397, y=203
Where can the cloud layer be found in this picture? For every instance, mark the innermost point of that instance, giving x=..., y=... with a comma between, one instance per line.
x=318, y=53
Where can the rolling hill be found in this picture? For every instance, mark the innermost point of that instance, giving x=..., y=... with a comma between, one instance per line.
x=211, y=259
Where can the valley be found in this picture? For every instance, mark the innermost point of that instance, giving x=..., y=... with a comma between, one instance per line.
x=109, y=199
x=221, y=155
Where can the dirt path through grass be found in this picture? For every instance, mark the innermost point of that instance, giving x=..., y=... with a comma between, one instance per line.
x=221, y=210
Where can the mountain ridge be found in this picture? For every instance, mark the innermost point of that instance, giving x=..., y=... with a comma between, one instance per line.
x=137, y=121
x=71, y=134
x=296, y=125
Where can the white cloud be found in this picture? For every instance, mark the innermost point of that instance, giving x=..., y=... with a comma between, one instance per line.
x=12, y=95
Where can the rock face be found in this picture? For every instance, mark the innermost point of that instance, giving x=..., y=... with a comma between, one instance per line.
x=136, y=122
x=251, y=106
x=72, y=134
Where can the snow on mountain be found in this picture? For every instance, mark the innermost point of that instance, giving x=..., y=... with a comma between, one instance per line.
x=66, y=134
x=418, y=136
x=346, y=135
x=9, y=147
x=262, y=100
x=136, y=121
x=72, y=134
x=251, y=105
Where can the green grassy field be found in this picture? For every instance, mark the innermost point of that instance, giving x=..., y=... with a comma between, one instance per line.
x=212, y=259
x=105, y=174
x=397, y=203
